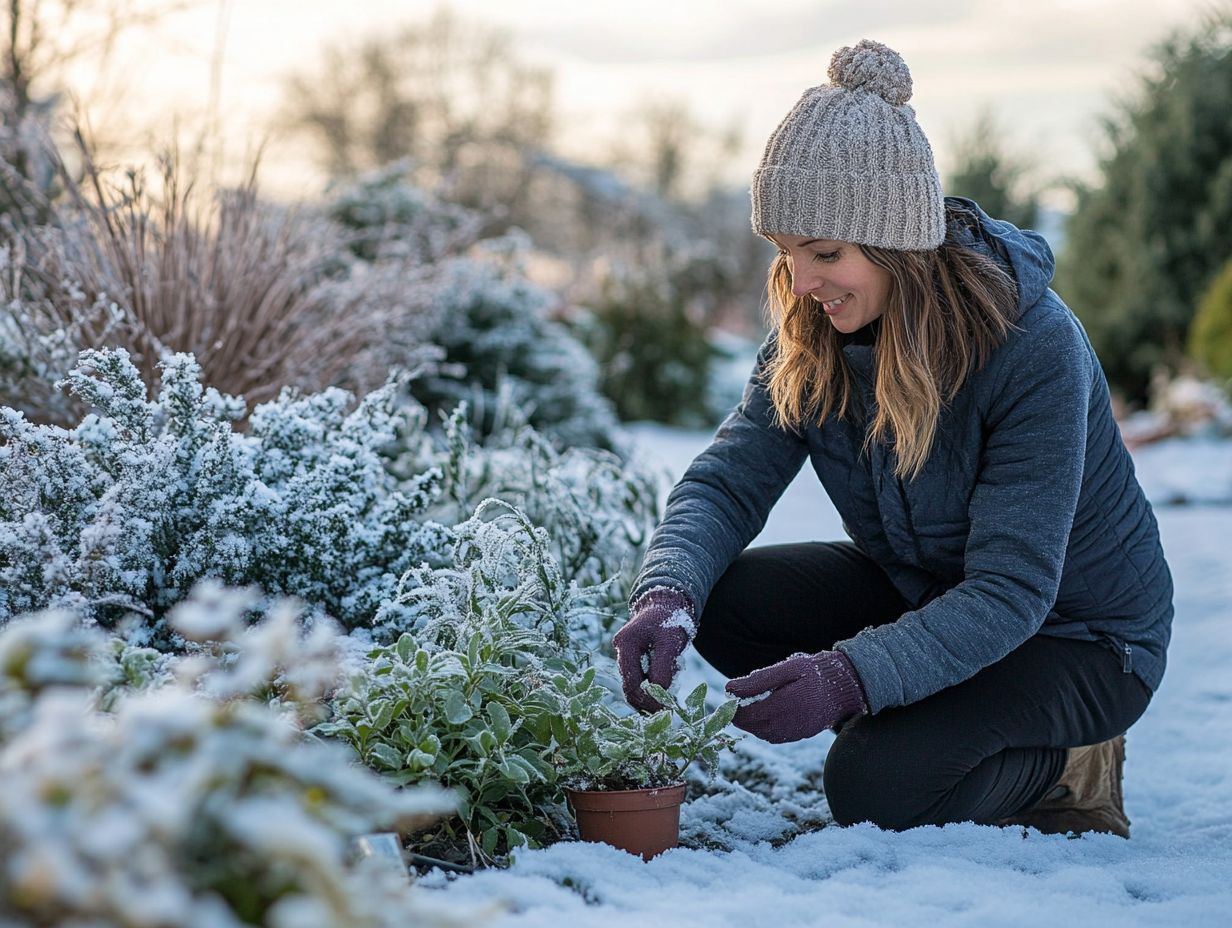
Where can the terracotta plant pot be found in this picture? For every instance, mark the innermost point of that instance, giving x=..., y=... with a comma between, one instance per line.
x=640, y=821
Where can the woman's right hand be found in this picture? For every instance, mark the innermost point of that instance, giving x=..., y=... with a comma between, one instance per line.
x=650, y=644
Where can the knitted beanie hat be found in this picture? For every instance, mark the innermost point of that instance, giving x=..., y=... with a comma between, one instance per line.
x=850, y=162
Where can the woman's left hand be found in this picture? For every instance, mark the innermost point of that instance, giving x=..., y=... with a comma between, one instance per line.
x=798, y=697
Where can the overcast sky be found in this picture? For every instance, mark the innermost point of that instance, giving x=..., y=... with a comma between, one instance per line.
x=1048, y=68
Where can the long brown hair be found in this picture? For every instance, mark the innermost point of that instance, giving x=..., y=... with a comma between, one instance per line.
x=946, y=310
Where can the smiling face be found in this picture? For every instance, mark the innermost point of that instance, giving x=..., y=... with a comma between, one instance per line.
x=846, y=285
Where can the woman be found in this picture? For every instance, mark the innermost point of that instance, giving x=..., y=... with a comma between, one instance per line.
x=1001, y=612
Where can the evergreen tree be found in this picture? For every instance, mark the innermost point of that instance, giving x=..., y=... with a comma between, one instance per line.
x=1146, y=242
x=987, y=173
x=1210, y=337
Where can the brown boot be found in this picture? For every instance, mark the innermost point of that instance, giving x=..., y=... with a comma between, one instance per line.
x=1086, y=798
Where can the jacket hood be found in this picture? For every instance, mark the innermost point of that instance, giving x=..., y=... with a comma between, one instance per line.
x=1022, y=252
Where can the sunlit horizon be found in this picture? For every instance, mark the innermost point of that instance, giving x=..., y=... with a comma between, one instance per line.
x=1047, y=71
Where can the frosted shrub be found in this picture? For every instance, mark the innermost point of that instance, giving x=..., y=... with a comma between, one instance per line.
x=491, y=324
x=191, y=803
x=392, y=218
x=499, y=690
x=38, y=345
x=127, y=511
x=598, y=510
x=494, y=325
x=37, y=657
x=500, y=567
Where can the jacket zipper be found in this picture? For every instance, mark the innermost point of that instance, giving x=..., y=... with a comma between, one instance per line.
x=1127, y=656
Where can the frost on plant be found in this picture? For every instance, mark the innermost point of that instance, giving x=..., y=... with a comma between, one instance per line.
x=394, y=219
x=145, y=497
x=463, y=700
x=597, y=512
x=184, y=804
x=494, y=325
x=500, y=692
x=333, y=504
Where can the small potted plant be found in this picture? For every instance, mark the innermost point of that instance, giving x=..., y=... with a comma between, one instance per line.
x=623, y=773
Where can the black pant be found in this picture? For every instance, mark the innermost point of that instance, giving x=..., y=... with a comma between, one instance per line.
x=978, y=751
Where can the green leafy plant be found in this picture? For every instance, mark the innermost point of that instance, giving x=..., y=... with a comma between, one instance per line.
x=506, y=718
x=470, y=718
x=498, y=691
x=604, y=749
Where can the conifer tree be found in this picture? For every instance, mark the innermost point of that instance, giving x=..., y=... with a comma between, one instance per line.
x=1145, y=242
x=985, y=171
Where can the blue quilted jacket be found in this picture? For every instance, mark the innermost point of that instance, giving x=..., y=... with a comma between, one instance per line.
x=1026, y=519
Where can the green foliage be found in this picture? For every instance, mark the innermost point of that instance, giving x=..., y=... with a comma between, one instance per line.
x=987, y=173
x=1145, y=243
x=461, y=700
x=499, y=690
x=1210, y=337
x=648, y=334
x=467, y=718
x=604, y=749
x=505, y=717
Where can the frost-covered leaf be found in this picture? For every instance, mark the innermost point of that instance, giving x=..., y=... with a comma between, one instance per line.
x=501, y=724
x=659, y=724
x=720, y=718
x=457, y=710
x=695, y=702
x=390, y=758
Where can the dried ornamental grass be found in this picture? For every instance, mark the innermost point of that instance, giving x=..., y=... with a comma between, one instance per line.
x=264, y=297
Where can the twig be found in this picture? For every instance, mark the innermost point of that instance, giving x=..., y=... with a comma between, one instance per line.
x=443, y=864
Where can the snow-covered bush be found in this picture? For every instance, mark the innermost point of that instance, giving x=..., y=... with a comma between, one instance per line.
x=494, y=328
x=499, y=345
x=128, y=510
x=597, y=512
x=191, y=803
x=392, y=218
x=39, y=342
x=501, y=566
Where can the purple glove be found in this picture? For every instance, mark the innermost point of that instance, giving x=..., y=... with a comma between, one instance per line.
x=651, y=642
x=799, y=696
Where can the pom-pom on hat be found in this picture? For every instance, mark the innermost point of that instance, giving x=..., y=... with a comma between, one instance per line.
x=850, y=162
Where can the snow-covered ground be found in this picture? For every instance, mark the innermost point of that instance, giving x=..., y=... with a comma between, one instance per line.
x=753, y=860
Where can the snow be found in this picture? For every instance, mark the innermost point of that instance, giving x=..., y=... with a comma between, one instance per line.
x=747, y=861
